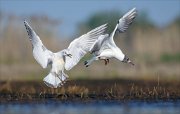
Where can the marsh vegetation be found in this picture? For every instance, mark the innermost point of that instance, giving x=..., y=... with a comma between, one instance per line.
x=90, y=90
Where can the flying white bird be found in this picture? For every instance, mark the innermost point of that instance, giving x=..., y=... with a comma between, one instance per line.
x=66, y=58
x=105, y=48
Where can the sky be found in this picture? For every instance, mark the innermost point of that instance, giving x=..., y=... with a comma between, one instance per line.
x=72, y=12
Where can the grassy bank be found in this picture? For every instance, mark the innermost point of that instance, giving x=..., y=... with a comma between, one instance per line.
x=88, y=90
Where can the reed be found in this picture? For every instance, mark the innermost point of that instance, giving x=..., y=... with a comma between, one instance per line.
x=85, y=90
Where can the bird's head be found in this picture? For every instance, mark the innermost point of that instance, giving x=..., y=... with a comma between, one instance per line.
x=127, y=60
x=65, y=53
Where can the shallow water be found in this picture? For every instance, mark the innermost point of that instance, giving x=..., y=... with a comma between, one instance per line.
x=95, y=107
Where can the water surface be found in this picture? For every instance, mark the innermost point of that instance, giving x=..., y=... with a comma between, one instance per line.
x=94, y=107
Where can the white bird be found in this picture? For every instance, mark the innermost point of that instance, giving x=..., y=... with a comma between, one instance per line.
x=66, y=58
x=105, y=48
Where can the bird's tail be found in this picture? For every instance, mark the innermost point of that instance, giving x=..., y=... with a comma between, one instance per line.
x=54, y=81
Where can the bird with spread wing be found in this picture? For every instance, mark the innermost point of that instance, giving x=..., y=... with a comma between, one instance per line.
x=105, y=48
x=65, y=59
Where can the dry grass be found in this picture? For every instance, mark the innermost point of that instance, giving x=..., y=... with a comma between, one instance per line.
x=87, y=90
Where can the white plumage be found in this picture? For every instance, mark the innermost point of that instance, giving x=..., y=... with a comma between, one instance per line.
x=80, y=46
x=126, y=20
x=105, y=48
x=66, y=58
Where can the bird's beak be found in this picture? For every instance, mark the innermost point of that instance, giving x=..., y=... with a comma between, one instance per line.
x=69, y=55
x=130, y=62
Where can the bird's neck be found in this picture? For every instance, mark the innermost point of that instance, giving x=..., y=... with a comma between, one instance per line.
x=114, y=31
x=119, y=54
x=112, y=35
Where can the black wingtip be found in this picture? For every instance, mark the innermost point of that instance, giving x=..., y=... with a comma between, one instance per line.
x=28, y=29
x=25, y=22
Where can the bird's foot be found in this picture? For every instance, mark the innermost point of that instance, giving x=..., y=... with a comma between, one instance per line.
x=63, y=81
x=69, y=55
x=106, y=61
x=86, y=63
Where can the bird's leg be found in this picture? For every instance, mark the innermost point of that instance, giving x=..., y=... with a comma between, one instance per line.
x=88, y=62
x=107, y=60
x=65, y=77
x=62, y=77
x=59, y=76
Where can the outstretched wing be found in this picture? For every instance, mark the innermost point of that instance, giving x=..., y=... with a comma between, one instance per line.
x=98, y=43
x=80, y=46
x=123, y=24
x=126, y=20
x=40, y=53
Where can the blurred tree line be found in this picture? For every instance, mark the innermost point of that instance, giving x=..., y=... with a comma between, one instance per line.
x=112, y=17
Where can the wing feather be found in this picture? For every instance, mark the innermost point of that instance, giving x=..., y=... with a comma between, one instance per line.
x=80, y=46
x=40, y=52
x=126, y=20
x=98, y=43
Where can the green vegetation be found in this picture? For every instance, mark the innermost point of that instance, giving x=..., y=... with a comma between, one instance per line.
x=170, y=58
x=143, y=21
x=176, y=21
x=110, y=17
